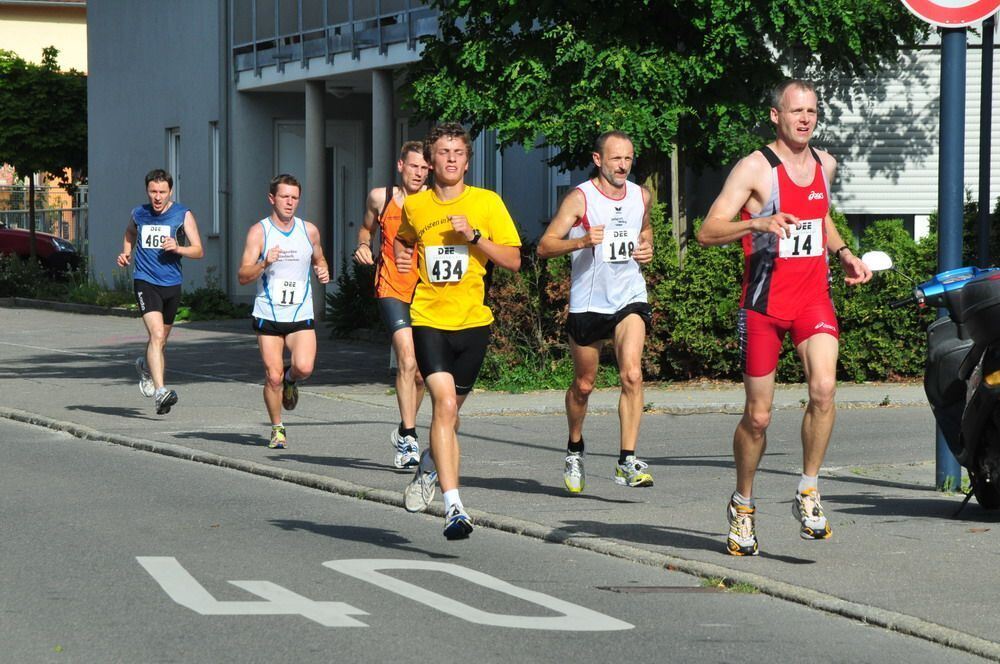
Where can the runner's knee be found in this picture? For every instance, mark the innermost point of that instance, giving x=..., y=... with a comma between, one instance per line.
x=631, y=378
x=582, y=386
x=822, y=392
x=757, y=420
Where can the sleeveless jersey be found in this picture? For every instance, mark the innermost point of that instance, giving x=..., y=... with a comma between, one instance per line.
x=153, y=264
x=284, y=292
x=782, y=276
x=389, y=282
x=605, y=279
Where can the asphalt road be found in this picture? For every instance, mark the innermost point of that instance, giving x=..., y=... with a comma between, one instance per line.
x=115, y=555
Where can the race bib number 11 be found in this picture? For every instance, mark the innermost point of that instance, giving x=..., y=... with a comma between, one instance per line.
x=151, y=236
x=447, y=264
x=806, y=241
x=285, y=292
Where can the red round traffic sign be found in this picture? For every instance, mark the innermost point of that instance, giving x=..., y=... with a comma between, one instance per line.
x=952, y=13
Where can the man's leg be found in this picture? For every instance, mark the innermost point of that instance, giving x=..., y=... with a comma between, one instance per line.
x=445, y=404
x=302, y=345
x=272, y=349
x=158, y=333
x=409, y=383
x=750, y=439
x=585, y=362
x=819, y=361
x=630, y=337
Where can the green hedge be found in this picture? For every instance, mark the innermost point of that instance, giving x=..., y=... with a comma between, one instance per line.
x=694, y=314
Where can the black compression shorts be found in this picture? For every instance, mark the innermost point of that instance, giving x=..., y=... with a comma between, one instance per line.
x=458, y=352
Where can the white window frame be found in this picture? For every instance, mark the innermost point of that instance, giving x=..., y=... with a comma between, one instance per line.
x=174, y=159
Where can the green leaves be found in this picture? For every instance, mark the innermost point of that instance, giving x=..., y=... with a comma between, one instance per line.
x=692, y=71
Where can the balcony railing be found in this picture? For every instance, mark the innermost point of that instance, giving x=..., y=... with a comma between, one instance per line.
x=267, y=33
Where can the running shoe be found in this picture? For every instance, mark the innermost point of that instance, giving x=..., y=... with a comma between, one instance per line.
x=457, y=524
x=278, y=441
x=407, y=451
x=289, y=392
x=574, y=476
x=808, y=510
x=742, y=529
x=633, y=473
x=419, y=493
x=164, y=400
x=146, y=385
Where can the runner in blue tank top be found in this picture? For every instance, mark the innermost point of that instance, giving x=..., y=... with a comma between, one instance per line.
x=281, y=254
x=155, y=242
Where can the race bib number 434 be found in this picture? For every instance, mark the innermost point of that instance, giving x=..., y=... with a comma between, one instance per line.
x=151, y=236
x=447, y=264
x=806, y=240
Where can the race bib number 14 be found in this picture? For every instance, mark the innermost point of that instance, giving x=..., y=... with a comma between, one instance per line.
x=151, y=236
x=806, y=240
x=447, y=264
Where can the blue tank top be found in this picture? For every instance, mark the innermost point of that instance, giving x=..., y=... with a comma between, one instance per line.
x=151, y=263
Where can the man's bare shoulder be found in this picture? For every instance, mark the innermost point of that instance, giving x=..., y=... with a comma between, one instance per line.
x=376, y=197
x=825, y=158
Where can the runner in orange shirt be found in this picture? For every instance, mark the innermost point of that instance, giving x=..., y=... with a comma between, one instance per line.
x=394, y=291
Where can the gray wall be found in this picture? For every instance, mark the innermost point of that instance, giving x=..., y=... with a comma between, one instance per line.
x=153, y=65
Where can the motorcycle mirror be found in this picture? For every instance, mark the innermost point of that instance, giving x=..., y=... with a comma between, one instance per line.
x=877, y=261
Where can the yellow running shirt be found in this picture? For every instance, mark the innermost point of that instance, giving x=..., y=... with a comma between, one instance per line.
x=451, y=294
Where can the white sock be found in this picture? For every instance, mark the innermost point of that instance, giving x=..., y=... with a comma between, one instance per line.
x=275, y=426
x=740, y=499
x=450, y=499
x=159, y=392
x=808, y=482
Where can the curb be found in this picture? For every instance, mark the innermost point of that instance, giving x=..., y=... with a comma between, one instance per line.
x=891, y=620
x=67, y=307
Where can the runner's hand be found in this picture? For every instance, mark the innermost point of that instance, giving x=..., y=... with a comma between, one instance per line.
x=460, y=224
x=781, y=224
x=855, y=270
x=273, y=254
x=322, y=273
x=363, y=254
x=404, y=260
x=123, y=259
x=595, y=235
x=643, y=253
x=169, y=244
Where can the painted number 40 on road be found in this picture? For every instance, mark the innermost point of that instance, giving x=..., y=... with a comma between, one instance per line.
x=276, y=600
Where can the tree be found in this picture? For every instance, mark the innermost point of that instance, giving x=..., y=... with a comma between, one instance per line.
x=694, y=72
x=43, y=120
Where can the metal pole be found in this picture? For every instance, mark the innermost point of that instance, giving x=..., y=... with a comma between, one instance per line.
x=951, y=177
x=985, y=135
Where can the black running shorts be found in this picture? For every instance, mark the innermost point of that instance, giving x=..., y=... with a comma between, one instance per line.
x=587, y=327
x=458, y=352
x=271, y=328
x=150, y=297
x=395, y=314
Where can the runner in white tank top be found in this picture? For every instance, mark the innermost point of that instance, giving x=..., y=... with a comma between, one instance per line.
x=605, y=278
x=283, y=291
x=280, y=254
x=604, y=224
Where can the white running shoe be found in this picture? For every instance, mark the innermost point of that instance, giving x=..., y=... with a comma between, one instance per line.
x=808, y=510
x=145, y=378
x=419, y=493
x=574, y=477
x=457, y=524
x=407, y=451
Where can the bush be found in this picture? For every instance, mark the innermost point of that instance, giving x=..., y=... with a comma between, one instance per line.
x=21, y=278
x=352, y=306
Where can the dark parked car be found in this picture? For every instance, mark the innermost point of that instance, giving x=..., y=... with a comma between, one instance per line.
x=56, y=254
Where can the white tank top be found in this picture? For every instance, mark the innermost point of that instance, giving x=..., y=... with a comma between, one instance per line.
x=284, y=289
x=605, y=278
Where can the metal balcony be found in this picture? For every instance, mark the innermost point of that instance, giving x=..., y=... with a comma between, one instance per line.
x=266, y=33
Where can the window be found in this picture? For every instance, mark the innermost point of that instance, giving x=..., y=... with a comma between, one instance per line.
x=174, y=158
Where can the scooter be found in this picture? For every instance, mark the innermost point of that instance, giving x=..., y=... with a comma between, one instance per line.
x=962, y=373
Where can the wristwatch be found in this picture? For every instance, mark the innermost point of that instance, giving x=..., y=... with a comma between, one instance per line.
x=476, y=235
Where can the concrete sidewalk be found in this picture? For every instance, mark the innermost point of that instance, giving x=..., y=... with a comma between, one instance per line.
x=897, y=558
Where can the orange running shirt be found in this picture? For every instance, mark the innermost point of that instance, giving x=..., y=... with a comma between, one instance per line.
x=389, y=282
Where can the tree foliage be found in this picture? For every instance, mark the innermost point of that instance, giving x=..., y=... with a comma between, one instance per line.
x=43, y=118
x=694, y=71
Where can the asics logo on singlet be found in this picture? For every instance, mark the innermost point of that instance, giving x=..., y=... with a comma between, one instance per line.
x=816, y=195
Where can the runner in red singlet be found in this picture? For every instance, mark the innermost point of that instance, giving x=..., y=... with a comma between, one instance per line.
x=394, y=291
x=781, y=194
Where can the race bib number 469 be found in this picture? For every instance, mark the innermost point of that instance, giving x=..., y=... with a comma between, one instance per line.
x=619, y=243
x=151, y=236
x=447, y=264
x=806, y=240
